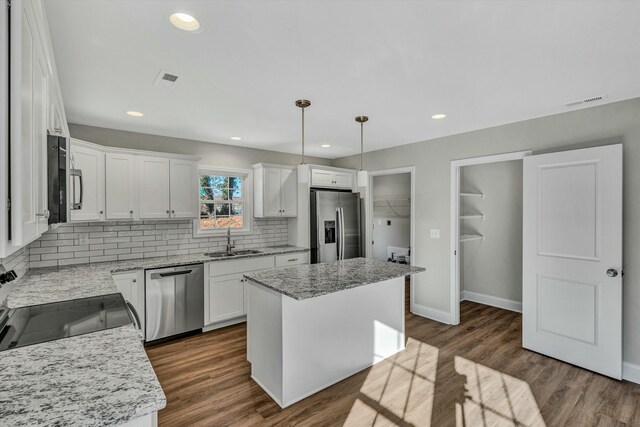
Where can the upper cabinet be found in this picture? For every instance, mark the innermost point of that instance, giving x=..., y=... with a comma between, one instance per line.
x=87, y=183
x=332, y=178
x=275, y=190
x=118, y=184
x=183, y=188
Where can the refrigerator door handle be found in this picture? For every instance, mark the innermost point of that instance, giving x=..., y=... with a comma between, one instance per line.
x=338, y=235
x=344, y=236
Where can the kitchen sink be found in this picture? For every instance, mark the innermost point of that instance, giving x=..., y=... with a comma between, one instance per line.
x=232, y=254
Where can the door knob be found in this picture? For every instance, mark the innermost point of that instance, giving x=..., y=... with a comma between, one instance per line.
x=612, y=272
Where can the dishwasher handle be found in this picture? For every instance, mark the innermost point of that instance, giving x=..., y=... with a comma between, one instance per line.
x=170, y=273
x=134, y=314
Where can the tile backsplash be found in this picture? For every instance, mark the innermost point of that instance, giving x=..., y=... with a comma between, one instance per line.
x=18, y=262
x=82, y=243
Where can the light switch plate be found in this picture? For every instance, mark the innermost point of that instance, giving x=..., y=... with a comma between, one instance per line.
x=435, y=233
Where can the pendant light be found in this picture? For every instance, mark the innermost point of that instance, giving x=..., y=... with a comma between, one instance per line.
x=363, y=176
x=303, y=103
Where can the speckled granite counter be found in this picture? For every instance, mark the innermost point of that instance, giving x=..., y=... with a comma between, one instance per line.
x=45, y=285
x=309, y=281
x=102, y=378
x=96, y=379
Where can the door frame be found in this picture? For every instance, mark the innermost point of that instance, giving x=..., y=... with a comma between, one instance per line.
x=412, y=218
x=454, y=258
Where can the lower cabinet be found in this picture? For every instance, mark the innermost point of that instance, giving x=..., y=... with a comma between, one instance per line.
x=131, y=286
x=225, y=290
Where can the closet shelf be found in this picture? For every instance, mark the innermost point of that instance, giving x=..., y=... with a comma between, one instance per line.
x=472, y=216
x=480, y=195
x=470, y=237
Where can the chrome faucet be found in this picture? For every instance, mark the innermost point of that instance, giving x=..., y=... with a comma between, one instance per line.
x=229, y=245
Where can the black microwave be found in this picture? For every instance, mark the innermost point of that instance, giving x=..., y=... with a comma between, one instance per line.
x=57, y=178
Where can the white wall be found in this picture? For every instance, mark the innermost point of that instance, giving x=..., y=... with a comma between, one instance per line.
x=493, y=266
x=616, y=122
x=398, y=234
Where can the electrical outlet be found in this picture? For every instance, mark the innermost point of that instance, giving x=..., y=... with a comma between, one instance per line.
x=388, y=222
x=435, y=233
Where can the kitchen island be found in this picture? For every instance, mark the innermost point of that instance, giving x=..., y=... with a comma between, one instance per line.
x=310, y=326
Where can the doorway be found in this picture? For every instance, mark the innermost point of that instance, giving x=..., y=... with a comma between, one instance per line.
x=391, y=219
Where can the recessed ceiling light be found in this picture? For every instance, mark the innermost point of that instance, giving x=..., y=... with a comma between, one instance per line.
x=438, y=116
x=135, y=113
x=184, y=21
x=236, y=138
x=325, y=145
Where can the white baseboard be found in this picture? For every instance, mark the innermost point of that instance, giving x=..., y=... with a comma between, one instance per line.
x=432, y=313
x=631, y=372
x=224, y=324
x=504, y=303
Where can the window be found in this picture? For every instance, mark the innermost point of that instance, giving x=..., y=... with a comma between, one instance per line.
x=223, y=202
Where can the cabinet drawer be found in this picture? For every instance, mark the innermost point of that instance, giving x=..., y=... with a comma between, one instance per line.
x=292, y=259
x=219, y=268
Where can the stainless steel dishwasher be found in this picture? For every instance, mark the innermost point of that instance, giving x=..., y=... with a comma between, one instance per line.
x=174, y=300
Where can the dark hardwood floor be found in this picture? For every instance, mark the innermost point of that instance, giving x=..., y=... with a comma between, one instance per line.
x=474, y=374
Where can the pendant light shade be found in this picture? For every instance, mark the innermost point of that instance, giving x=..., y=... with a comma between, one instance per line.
x=303, y=103
x=363, y=175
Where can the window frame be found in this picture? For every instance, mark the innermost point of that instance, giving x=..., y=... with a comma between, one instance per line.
x=247, y=211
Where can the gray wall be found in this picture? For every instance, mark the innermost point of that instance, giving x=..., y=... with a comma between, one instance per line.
x=617, y=122
x=493, y=266
x=212, y=154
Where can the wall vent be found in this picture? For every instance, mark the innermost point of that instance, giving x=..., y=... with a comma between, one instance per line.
x=165, y=78
x=593, y=99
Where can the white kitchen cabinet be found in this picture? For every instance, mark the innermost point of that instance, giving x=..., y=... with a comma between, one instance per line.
x=120, y=185
x=90, y=162
x=332, y=178
x=288, y=260
x=29, y=102
x=153, y=188
x=131, y=286
x=183, y=189
x=228, y=297
x=275, y=191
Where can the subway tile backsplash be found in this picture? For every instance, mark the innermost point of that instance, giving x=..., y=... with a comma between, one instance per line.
x=82, y=243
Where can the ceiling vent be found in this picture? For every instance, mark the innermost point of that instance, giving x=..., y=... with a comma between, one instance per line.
x=592, y=100
x=165, y=78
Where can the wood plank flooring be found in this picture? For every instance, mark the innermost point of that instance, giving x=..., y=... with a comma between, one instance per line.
x=474, y=374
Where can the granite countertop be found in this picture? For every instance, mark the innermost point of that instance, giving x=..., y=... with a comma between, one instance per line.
x=102, y=378
x=310, y=281
x=52, y=284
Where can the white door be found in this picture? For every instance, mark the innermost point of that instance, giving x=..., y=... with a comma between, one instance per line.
x=572, y=257
x=271, y=195
x=321, y=178
x=91, y=163
x=120, y=185
x=183, y=189
x=343, y=179
x=153, y=187
x=289, y=192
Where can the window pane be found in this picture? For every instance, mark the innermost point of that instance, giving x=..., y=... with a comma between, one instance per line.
x=236, y=194
x=207, y=209
x=222, y=209
x=236, y=209
x=221, y=182
x=235, y=182
x=206, y=193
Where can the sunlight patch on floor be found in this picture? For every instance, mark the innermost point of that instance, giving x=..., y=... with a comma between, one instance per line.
x=493, y=398
x=398, y=390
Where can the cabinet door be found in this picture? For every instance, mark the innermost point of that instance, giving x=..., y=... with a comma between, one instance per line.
x=91, y=163
x=183, y=189
x=271, y=192
x=321, y=178
x=153, y=187
x=226, y=297
x=28, y=133
x=343, y=179
x=120, y=184
x=289, y=192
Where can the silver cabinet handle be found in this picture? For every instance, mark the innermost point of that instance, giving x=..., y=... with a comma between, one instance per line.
x=101, y=212
x=44, y=214
x=612, y=272
x=173, y=211
x=134, y=314
x=167, y=210
x=131, y=212
x=292, y=259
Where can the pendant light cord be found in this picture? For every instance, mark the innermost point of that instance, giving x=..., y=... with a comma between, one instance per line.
x=361, y=145
x=302, y=136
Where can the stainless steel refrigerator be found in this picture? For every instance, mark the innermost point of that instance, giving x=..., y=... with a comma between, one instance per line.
x=335, y=226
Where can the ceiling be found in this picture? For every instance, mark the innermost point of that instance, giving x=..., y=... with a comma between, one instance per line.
x=483, y=63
